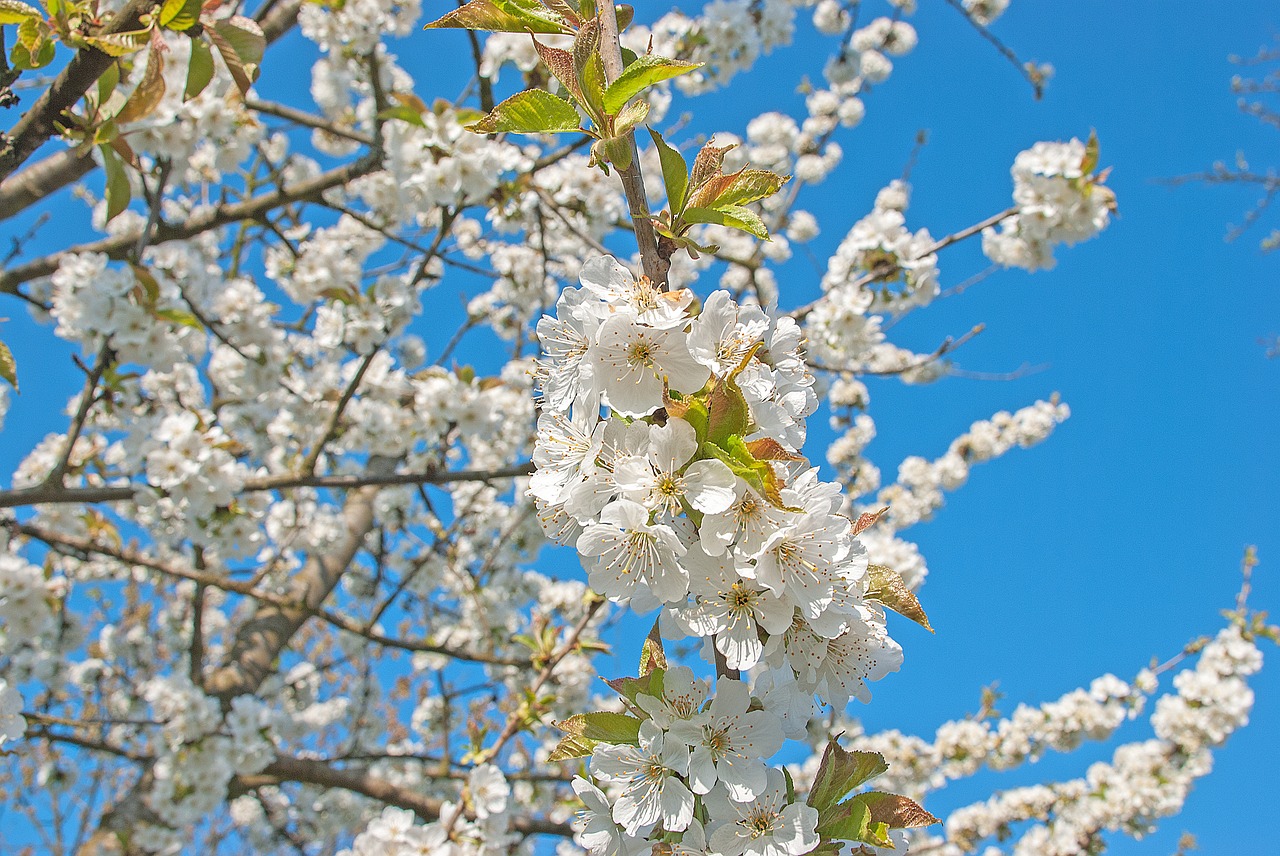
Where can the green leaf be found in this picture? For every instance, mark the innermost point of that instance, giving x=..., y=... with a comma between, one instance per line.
x=896, y=812
x=652, y=657
x=147, y=94
x=867, y=519
x=640, y=75
x=1090, y=161
x=707, y=163
x=603, y=726
x=572, y=746
x=886, y=586
x=850, y=821
x=404, y=113
x=180, y=14
x=117, y=190
x=120, y=44
x=107, y=84
x=633, y=114
x=839, y=772
x=199, y=70
x=149, y=284
x=675, y=173
x=8, y=367
x=593, y=83
x=533, y=111
x=15, y=12
x=503, y=16
x=179, y=316
x=749, y=185
x=733, y=216
x=33, y=48
x=241, y=43
x=617, y=150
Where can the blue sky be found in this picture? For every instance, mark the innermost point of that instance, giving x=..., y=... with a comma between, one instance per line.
x=1120, y=538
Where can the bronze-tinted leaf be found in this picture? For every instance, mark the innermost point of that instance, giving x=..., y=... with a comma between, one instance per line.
x=896, y=812
x=888, y=588
x=867, y=519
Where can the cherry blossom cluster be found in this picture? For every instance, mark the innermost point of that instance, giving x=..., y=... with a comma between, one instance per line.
x=1060, y=200
x=475, y=825
x=692, y=486
x=697, y=768
x=1144, y=780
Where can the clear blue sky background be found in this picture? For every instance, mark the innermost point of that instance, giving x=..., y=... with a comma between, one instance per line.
x=1120, y=538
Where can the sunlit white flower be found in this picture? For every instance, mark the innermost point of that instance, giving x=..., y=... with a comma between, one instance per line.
x=724, y=333
x=797, y=560
x=730, y=608
x=614, y=284
x=631, y=362
x=651, y=791
x=747, y=522
x=681, y=699
x=628, y=551
x=489, y=790
x=730, y=745
x=765, y=826
x=661, y=481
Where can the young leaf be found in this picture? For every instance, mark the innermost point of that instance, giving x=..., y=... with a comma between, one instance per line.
x=117, y=191
x=896, y=812
x=839, y=772
x=572, y=746
x=241, y=43
x=8, y=367
x=33, y=48
x=867, y=519
x=180, y=15
x=633, y=114
x=562, y=66
x=604, y=726
x=675, y=173
x=15, y=12
x=534, y=111
x=404, y=113
x=199, y=70
x=707, y=163
x=733, y=216
x=887, y=587
x=586, y=43
x=180, y=317
x=652, y=656
x=617, y=150
x=769, y=449
x=640, y=75
x=120, y=44
x=749, y=185
x=1090, y=161
x=503, y=16
x=147, y=94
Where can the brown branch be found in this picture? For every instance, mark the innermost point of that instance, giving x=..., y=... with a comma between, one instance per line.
x=117, y=246
x=46, y=177
x=940, y=244
x=54, y=495
x=202, y=578
x=360, y=781
x=40, y=123
x=656, y=266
